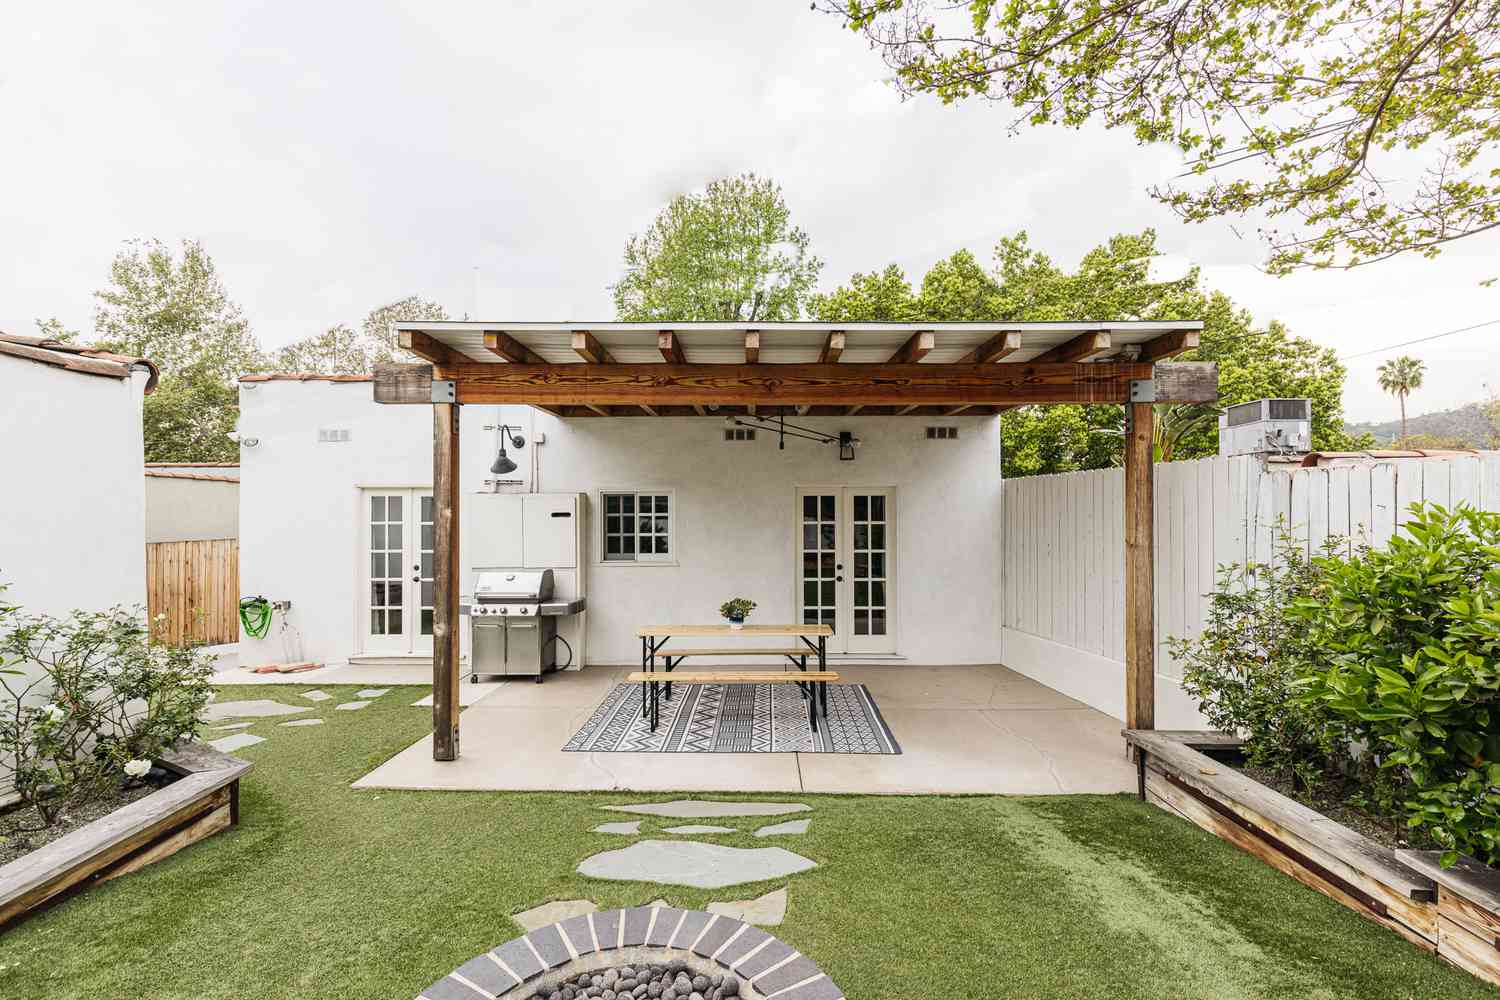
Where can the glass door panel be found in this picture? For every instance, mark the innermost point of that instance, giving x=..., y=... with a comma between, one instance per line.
x=870, y=523
x=819, y=569
x=845, y=569
x=398, y=581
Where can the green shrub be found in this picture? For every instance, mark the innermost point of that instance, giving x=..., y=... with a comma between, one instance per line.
x=1405, y=655
x=89, y=702
x=1241, y=667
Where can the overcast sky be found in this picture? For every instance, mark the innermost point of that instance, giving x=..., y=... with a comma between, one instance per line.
x=495, y=156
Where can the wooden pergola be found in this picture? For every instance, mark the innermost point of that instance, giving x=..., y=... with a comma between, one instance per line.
x=589, y=370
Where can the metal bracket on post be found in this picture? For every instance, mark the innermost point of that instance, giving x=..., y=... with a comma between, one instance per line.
x=444, y=391
x=1142, y=390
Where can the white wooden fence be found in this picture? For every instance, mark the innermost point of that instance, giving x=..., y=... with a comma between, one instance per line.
x=1064, y=566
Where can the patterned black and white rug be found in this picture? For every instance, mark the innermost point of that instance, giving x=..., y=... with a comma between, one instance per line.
x=737, y=718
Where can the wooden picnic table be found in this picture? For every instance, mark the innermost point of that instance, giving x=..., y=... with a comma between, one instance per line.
x=654, y=640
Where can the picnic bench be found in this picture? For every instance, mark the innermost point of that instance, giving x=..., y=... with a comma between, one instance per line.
x=655, y=684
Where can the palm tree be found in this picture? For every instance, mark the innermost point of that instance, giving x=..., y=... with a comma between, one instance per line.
x=1399, y=376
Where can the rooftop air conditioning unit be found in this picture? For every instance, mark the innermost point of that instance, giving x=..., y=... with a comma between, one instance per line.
x=1266, y=426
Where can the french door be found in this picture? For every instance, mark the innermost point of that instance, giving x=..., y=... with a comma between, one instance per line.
x=846, y=565
x=397, y=583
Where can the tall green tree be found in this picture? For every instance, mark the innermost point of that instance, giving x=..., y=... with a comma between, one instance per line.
x=1112, y=282
x=175, y=310
x=1357, y=129
x=342, y=350
x=728, y=252
x=1401, y=377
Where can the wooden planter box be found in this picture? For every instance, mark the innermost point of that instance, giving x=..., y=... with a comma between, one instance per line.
x=203, y=801
x=1454, y=913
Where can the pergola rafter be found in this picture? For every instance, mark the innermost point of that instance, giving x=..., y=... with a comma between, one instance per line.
x=876, y=370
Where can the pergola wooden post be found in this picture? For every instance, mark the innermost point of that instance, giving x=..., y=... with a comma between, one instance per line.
x=1140, y=567
x=938, y=369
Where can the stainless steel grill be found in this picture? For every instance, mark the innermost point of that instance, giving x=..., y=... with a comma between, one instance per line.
x=513, y=624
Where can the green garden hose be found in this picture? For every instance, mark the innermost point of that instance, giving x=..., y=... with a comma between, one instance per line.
x=255, y=615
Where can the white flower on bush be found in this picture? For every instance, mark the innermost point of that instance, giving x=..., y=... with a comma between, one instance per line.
x=54, y=713
x=137, y=768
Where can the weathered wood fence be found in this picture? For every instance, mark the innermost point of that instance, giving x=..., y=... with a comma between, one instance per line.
x=1064, y=552
x=196, y=585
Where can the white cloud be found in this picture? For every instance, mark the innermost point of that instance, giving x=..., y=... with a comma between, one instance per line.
x=496, y=156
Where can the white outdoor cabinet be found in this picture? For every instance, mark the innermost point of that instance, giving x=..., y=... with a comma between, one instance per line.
x=551, y=530
x=492, y=530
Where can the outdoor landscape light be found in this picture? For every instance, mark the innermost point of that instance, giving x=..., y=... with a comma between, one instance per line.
x=503, y=464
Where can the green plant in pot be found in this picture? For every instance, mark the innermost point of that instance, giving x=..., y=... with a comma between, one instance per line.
x=736, y=609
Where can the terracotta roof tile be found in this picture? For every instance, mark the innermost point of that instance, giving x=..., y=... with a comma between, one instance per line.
x=76, y=357
x=304, y=377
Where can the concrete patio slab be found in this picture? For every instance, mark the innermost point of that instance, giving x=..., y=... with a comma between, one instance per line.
x=963, y=729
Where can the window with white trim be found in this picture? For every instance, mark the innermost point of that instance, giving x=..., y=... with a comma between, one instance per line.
x=638, y=527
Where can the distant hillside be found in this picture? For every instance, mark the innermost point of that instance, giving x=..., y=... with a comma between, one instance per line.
x=1467, y=424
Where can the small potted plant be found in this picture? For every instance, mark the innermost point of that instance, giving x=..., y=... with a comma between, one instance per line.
x=735, y=609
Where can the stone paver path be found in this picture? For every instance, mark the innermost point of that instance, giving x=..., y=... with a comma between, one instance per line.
x=789, y=827
x=767, y=911
x=553, y=913
x=697, y=808
x=229, y=744
x=698, y=828
x=693, y=863
x=632, y=827
x=351, y=706
x=232, y=727
x=261, y=708
x=302, y=722
x=372, y=692
x=316, y=695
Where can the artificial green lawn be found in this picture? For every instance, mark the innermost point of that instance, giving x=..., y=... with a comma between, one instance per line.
x=322, y=891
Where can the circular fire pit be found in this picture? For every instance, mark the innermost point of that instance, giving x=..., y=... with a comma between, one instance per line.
x=650, y=952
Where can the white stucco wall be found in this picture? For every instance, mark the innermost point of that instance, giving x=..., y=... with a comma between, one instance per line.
x=72, y=513
x=184, y=510
x=300, y=527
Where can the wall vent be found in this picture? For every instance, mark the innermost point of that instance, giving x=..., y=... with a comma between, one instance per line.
x=739, y=434
x=942, y=433
x=332, y=435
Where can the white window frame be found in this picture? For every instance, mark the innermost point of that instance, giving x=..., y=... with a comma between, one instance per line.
x=669, y=558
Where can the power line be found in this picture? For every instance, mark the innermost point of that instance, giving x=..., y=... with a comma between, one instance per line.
x=1421, y=340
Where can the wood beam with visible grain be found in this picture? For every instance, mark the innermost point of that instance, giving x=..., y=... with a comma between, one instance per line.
x=917, y=347
x=425, y=347
x=833, y=347
x=1140, y=568
x=587, y=347
x=1169, y=345
x=670, y=348
x=752, y=346
x=1081, y=348
x=997, y=347
x=505, y=346
x=445, y=580
x=823, y=385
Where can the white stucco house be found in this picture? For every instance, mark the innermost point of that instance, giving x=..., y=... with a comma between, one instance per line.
x=74, y=518
x=336, y=493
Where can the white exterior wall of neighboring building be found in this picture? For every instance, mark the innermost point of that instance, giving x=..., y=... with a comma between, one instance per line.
x=182, y=509
x=72, y=515
x=735, y=523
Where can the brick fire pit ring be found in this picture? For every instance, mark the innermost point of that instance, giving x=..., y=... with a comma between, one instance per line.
x=709, y=944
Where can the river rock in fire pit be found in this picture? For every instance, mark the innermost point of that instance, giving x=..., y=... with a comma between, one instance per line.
x=671, y=981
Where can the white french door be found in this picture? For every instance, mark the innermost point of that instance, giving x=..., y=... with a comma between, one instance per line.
x=397, y=583
x=846, y=565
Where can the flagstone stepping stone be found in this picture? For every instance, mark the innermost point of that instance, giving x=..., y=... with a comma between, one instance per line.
x=302, y=722
x=373, y=692
x=316, y=695
x=233, y=726
x=696, y=808
x=662, y=903
x=699, y=828
x=261, y=708
x=779, y=829
x=553, y=913
x=767, y=911
x=693, y=863
x=631, y=827
x=229, y=744
x=351, y=706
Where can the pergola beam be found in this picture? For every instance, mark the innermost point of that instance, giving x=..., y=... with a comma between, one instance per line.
x=445, y=581
x=752, y=346
x=999, y=346
x=1081, y=348
x=505, y=346
x=917, y=347
x=426, y=348
x=670, y=348
x=1140, y=568
x=1169, y=345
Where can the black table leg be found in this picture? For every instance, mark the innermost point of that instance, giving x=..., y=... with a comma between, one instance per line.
x=822, y=668
x=644, y=711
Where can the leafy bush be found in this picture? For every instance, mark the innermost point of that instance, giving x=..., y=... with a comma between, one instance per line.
x=90, y=703
x=1405, y=656
x=1242, y=667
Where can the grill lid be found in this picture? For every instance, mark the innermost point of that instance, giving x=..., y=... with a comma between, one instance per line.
x=513, y=585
